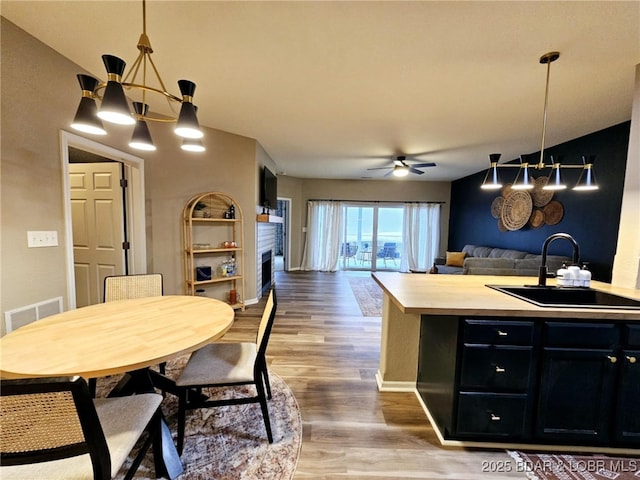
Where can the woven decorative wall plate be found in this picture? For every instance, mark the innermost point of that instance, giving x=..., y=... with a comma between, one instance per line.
x=516, y=210
x=553, y=212
x=496, y=207
x=541, y=197
x=537, y=218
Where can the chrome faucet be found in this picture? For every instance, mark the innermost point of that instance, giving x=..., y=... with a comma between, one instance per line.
x=542, y=276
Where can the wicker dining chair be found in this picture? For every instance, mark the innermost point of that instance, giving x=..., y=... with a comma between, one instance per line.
x=52, y=428
x=122, y=287
x=229, y=364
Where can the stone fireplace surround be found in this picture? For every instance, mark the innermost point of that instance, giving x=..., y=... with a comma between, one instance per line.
x=264, y=243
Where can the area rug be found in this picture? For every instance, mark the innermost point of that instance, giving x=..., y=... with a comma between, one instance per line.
x=368, y=295
x=230, y=442
x=548, y=466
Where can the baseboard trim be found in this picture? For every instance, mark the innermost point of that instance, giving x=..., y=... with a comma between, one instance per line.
x=390, y=386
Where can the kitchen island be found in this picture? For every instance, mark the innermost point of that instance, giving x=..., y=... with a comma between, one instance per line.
x=515, y=389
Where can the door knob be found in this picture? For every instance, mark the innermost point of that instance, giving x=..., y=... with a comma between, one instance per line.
x=612, y=359
x=502, y=334
x=495, y=418
x=500, y=369
x=632, y=359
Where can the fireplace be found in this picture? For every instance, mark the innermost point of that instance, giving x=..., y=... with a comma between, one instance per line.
x=267, y=261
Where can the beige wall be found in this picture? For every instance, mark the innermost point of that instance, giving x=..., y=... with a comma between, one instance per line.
x=303, y=189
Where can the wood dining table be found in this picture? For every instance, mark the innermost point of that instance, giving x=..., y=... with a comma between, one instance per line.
x=125, y=336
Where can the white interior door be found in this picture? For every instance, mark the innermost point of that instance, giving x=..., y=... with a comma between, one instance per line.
x=97, y=212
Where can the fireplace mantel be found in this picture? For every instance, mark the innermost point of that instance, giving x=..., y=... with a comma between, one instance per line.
x=264, y=218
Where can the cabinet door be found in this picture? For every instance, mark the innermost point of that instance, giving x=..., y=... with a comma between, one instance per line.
x=628, y=407
x=576, y=393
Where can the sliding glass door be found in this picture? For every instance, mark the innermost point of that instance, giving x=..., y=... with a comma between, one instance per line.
x=372, y=238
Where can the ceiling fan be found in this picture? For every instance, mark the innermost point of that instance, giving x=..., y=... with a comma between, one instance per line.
x=401, y=168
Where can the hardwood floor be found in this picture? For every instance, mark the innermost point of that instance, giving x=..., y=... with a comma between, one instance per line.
x=328, y=354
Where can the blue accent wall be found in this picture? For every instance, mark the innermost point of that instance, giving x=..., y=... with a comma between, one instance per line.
x=592, y=218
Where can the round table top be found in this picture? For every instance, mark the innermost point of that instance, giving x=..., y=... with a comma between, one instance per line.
x=113, y=337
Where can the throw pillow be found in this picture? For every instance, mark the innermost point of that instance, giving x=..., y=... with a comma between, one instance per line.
x=455, y=259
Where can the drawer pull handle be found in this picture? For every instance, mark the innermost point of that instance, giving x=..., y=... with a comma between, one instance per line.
x=612, y=359
x=502, y=334
x=495, y=418
x=632, y=359
x=500, y=369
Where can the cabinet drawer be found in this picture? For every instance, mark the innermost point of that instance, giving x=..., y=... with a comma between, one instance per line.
x=496, y=368
x=578, y=334
x=633, y=335
x=498, y=332
x=492, y=415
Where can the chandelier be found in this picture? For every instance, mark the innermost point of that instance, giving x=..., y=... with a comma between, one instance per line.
x=114, y=104
x=523, y=180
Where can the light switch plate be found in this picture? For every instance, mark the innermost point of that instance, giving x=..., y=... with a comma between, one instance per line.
x=42, y=239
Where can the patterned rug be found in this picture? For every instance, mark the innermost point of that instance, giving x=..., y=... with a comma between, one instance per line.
x=539, y=466
x=368, y=294
x=230, y=442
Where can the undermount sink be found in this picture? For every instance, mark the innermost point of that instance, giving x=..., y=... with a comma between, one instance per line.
x=567, y=297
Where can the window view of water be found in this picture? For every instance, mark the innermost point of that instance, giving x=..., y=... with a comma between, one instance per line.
x=372, y=238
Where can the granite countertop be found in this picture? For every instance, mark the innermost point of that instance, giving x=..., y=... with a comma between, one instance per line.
x=469, y=295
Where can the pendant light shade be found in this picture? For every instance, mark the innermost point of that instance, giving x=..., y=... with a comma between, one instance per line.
x=192, y=145
x=587, y=180
x=523, y=179
x=555, y=182
x=114, y=107
x=492, y=179
x=141, y=138
x=86, y=119
x=188, y=125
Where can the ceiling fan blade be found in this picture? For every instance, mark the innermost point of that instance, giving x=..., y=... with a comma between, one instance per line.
x=421, y=165
x=379, y=168
x=413, y=170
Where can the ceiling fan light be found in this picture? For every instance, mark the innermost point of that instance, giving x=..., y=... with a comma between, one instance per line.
x=400, y=171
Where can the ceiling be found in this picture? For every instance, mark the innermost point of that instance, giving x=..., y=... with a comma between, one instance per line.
x=332, y=88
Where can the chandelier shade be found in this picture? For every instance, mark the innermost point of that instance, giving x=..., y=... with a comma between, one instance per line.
x=123, y=99
x=192, y=145
x=554, y=181
x=141, y=138
x=587, y=180
x=492, y=178
x=114, y=107
x=523, y=179
x=86, y=119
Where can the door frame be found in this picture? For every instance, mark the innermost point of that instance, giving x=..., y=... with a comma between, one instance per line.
x=135, y=205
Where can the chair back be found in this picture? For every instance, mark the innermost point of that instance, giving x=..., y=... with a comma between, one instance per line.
x=45, y=419
x=122, y=287
x=266, y=322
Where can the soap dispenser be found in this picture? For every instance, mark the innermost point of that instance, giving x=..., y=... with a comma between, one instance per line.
x=585, y=276
x=562, y=277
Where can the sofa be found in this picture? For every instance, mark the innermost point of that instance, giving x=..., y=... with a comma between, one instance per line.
x=481, y=260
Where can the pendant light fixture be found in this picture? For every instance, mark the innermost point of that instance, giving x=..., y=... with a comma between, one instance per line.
x=523, y=180
x=115, y=106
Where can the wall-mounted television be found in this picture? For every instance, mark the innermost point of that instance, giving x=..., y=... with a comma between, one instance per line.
x=269, y=190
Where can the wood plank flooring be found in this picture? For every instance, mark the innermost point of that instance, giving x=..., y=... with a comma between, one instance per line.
x=328, y=354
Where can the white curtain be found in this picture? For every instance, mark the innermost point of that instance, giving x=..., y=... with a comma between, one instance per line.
x=420, y=236
x=324, y=229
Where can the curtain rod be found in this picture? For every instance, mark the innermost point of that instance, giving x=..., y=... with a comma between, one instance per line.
x=367, y=201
